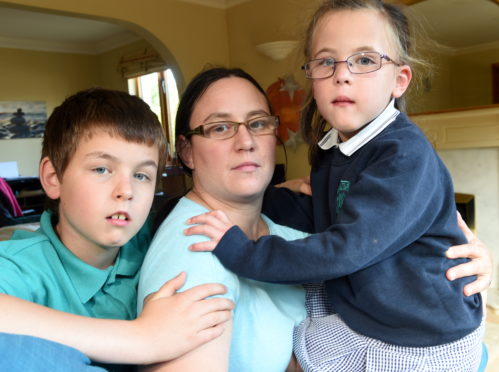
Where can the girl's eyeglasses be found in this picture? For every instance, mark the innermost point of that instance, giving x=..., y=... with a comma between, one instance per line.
x=358, y=63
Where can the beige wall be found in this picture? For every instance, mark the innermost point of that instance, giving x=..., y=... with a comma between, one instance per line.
x=459, y=80
x=193, y=34
x=186, y=35
x=40, y=76
x=472, y=78
x=109, y=74
x=51, y=77
x=44, y=76
x=261, y=21
x=429, y=90
x=190, y=36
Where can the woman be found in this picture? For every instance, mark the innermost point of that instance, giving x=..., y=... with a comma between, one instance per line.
x=226, y=139
x=228, y=142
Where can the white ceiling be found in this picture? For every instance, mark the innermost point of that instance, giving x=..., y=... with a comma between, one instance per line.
x=49, y=32
x=461, y=24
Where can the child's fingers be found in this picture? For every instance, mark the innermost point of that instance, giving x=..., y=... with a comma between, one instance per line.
x=479, y=285
x=209, y=334
x=203, y=291
x=198, y=219
x=168, y=288
x=210, y=217
x=464, y=270
x=463, y=251
x=475, y=267
x=206, y=230
x=221, y=305
x=203, y=246
x=214, y=319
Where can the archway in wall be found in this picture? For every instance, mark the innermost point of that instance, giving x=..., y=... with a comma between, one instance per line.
x=53, y=87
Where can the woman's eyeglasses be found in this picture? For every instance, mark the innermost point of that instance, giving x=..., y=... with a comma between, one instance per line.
x=221, y=130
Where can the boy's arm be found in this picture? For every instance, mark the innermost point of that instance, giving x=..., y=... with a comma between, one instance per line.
x=170, y=325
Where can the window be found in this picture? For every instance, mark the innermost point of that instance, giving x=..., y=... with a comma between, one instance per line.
x=159, y=91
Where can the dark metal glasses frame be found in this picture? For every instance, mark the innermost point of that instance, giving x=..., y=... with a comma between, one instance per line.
x=352, y=62
x=205, y=129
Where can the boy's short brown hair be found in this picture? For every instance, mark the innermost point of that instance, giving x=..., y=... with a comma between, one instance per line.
x=116, y=112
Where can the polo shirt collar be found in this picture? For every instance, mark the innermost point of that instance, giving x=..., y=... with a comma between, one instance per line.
x=367, y=133
x=87, y=279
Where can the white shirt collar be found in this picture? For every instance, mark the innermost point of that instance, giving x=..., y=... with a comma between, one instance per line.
x=370, y=131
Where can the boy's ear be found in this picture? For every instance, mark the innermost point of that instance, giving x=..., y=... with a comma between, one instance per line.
x=404, y=76
x=184, y=150
x=49, y=180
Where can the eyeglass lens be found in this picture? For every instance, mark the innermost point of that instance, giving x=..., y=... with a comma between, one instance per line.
x=228, y=129
x=359, y=63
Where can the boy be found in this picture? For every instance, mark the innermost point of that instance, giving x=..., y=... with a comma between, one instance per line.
x=101, y=154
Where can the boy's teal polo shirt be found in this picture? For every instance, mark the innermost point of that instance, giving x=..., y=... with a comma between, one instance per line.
x=37, y=267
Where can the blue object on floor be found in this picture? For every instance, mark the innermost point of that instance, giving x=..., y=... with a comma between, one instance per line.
x=20, y=353
x=485, y=357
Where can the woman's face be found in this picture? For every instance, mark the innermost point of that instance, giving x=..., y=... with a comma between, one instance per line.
x=237, y=169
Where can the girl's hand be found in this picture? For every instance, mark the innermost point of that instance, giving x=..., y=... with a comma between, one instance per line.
x=481, y=263
x=213, y=224
x=298, y=185
x=172, y=324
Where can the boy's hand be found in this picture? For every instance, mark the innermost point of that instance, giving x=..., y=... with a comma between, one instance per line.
x=298, y=185
x=172, y=324
x=213, y=224
x=480, y=265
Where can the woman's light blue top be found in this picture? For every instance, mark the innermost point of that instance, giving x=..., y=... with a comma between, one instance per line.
x=265, y=314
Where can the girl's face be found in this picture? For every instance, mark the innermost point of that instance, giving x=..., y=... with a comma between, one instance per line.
x=349, y=101
x=237, y=168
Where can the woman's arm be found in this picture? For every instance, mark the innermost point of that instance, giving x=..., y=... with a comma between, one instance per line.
x=210, y=357
x=160, y=263
x=170, y=325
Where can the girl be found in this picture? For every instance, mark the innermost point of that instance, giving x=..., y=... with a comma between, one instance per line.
x=383, y=205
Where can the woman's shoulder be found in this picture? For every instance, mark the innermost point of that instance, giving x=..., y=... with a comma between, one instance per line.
x=169, y=254
x=284, y=232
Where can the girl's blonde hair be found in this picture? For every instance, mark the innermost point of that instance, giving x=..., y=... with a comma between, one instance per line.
x=312, y=123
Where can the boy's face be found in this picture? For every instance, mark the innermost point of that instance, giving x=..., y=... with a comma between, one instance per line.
x=349, y=101
x=105, y=196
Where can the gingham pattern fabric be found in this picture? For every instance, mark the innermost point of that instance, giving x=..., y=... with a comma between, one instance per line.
x=316, y=300
x=324, y=343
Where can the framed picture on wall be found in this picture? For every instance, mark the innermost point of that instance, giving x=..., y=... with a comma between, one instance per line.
x=22, y=119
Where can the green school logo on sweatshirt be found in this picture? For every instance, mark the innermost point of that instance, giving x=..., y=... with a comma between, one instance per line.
x=341, y=194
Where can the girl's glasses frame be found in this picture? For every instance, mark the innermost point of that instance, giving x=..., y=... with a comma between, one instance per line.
x=358, y=63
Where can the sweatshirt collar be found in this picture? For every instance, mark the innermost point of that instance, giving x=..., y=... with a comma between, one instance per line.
x=370, y=131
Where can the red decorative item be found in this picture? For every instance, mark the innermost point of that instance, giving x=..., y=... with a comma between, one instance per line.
x=286, y=98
